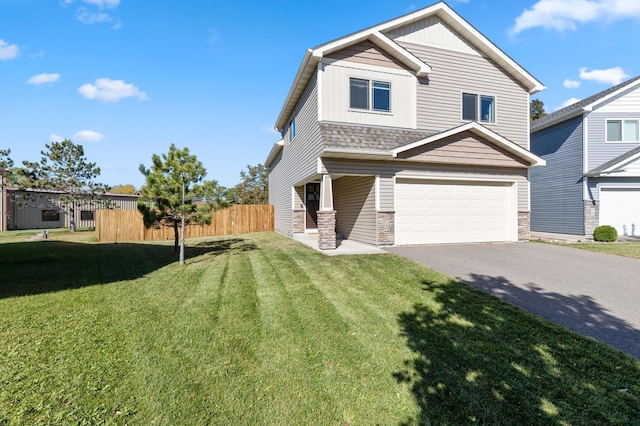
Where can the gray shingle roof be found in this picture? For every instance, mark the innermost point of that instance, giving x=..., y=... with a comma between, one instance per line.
x=611, y=163
x=568, y=111
x=336, y=135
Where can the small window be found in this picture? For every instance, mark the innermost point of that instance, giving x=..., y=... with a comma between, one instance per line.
x=381, y=96
x=369, y=95
x=50, y=216
x=292, y=130
x=478, y=108
x=86, y=215
x=623, y=131
x=359, y=91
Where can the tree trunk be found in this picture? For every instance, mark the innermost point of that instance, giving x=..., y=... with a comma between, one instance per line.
x=72, y=219
x=182, y=244
x=176, y=244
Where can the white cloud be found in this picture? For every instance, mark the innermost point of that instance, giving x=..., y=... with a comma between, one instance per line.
x=564, y=15
x=89, y=18
x=103, y=3
x=107, y=90
x=88, y=136
x=43, y=78
x=568, y=102
x=111, y=4
x=609, y=76
x=571, y=84
x=55, y=138
x=8, y=51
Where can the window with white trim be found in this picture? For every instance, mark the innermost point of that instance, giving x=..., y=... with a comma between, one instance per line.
x=623, y=131
x=477, y=107
x=370, y=95
x=292, y=130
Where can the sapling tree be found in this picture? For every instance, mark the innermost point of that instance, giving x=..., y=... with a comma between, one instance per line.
x=175, y=193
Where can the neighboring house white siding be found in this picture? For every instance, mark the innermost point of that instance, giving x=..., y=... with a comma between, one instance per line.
x=599, y=150
x=625, y=102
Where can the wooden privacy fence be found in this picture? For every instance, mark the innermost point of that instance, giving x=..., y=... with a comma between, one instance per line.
x=127, y=225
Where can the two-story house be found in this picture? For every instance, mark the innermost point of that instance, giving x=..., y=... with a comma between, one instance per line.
x=592, y=177
x=412, y=131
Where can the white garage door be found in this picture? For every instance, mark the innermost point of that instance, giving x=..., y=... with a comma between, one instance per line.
x=429, y=212
x=620, y=208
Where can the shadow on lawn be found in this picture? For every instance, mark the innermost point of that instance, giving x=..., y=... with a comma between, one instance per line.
x=46, y=266
x=482, y=361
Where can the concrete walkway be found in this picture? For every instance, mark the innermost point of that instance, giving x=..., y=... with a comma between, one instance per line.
x=344, y=246
x=595, y=294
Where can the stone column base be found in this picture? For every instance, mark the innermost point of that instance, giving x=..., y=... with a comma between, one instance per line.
x=524, y=226
x=298, y=221
x=327, y=230
x=591, y=216
x=386, y=228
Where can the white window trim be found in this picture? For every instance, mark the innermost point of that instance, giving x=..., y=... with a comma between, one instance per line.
x=479, y=96
x=370, y=110
x=622, y=120
x=293, y=129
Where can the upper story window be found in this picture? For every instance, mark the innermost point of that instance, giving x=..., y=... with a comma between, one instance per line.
x=370, y=95
x=480, y=108
x=292, y=130
x=623, y=131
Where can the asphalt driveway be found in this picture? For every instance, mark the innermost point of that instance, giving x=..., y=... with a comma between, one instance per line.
x=595, y=294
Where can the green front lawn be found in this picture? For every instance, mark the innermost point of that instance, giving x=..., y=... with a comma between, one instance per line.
x=258, y=329
x=621, y=249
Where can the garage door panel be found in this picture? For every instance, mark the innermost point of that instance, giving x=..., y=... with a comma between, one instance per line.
x=620, y=208
x=453, y=212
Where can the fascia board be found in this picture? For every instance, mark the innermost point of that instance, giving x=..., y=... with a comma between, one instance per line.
x=605, y=99
x=356, y=153
x=286, y=109
x=275, y=150
x=421, y=69
x=476, y=128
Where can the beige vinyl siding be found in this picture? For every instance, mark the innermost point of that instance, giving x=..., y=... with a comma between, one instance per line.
x=298, y=160
x=464, y=148
x=387, y=170
x=367, y=53
x=439, y=97
x=432, y=31
x=354, y=203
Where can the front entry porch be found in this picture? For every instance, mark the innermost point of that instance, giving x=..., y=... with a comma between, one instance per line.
x=343, y=247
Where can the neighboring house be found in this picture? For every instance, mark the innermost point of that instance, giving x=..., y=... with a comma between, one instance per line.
x=592, y=177
x=44, y=212
x=412, y=131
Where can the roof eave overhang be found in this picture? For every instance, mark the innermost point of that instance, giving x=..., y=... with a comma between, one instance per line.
x=482, y=131
x=574, y=114
x=275, y=150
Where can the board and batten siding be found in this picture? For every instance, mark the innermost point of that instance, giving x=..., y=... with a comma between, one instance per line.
x=336, y=95
x=439, y=97
x=388, y=170
x=556, y=189
x=298, y=160
x=354, y=203
x=599, y=150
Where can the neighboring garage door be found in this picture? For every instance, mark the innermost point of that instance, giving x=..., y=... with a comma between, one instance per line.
x=620, y=208
x=430, y=212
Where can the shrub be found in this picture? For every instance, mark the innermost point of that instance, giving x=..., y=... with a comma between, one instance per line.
x=605, y=233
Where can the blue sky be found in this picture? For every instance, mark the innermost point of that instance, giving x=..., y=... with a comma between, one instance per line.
x=127, y=78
